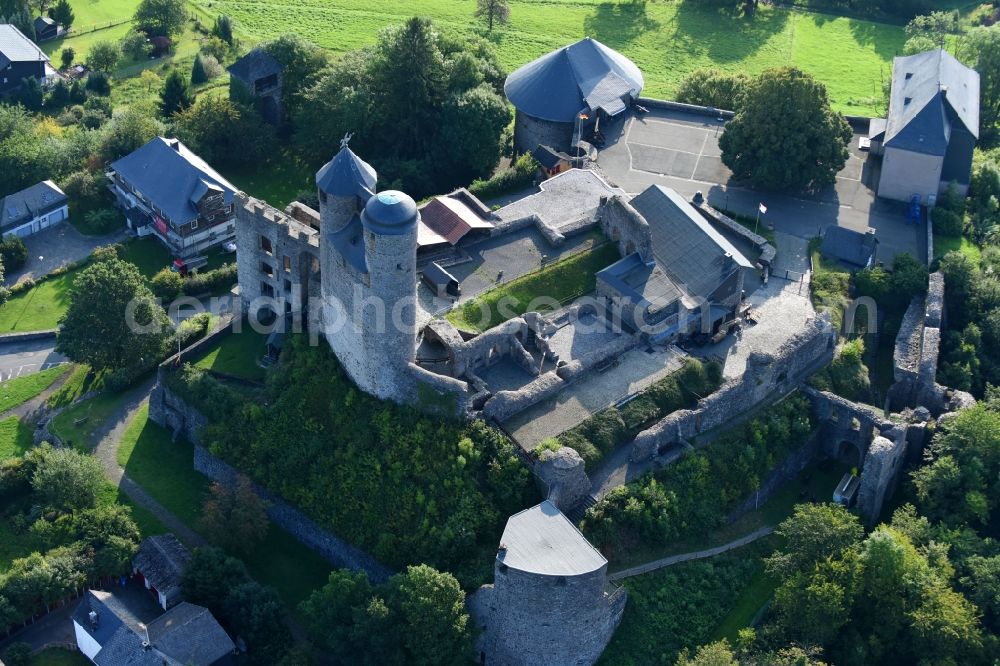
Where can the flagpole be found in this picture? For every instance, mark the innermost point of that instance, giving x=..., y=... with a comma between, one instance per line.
x=757, y=224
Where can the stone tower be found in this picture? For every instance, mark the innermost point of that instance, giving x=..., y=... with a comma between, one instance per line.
x=369, y=275
x=550, y=602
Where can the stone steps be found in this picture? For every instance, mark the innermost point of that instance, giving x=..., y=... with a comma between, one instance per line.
x=576, y=513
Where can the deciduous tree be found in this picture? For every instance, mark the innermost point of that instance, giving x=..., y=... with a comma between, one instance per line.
x=162, y=18
x=235, y=519
x=104, y=56
x=68, y=480
x=493, y=11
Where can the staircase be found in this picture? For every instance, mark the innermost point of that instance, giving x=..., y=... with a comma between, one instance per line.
x=576, y=513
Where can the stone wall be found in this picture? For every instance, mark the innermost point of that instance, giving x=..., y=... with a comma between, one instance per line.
x=335, y=550
x=625, y=226
x=765, y=375
x=767, y=251
x=531, y=132
x=782, y=474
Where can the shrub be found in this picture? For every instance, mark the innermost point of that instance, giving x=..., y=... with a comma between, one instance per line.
x=99, y=83
x=215, y=47
x=847, y=375
x=947, y=222
x=199, y=283
x=103, y=221
x=13, y=253
x=713, y=88
x=212, y=67
x=167, y=284
x=135, y=45
x=198, y=74
x=511, y=179
x=17, y=654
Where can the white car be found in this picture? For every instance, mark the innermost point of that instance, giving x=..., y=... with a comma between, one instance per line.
x=229, y=247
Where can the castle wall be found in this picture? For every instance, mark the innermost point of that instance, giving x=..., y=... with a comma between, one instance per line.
x=625, y=226
x=531, y=132
x=535, y=620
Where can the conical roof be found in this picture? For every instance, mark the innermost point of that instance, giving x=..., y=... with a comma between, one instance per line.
x=584, y=75
x=347, y=175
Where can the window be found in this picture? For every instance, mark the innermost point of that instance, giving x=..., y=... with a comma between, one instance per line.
x=266, y=269
x=288, y=286
x=287, y=262
x=265, y=244
x=266, y=289
x=194, y=225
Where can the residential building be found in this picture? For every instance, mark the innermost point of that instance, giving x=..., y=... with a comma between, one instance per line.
x=109, y=633
x=159, y=565
x=261, y=76
x=29, y=211
x=168, y=191
x=926, y=142
x=20, y=59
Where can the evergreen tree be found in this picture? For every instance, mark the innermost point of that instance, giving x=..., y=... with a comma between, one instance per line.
x=30, y=94
x=198, y=74
x=175, y=96
x=62, y=14
x=66, y=56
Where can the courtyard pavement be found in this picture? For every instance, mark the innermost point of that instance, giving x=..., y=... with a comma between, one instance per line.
x=28, y=357
x=58, y=246
x=681, y=151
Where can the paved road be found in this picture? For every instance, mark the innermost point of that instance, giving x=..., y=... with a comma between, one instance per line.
x=681, y=151
x=24, y=358
x=687, y=557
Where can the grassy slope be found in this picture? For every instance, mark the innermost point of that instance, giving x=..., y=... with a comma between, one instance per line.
x=666, y=40
x=38, y=308
x=165, y=470
x=237, y=355
x=15, y=438
x=21, y=389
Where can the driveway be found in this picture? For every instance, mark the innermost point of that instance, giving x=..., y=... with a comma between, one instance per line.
x=57, y=246
x=24, y=358
x=681, y=151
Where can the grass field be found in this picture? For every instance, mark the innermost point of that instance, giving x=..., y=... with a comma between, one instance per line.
x=19, y=390
x=148, y=254
x=15, y=437
x=77, y=426
x=40, y=307
x=59, y=657
x=164, y=469
x=945, y=244
x=567, y=278
x=666, y=40
x=236, y=355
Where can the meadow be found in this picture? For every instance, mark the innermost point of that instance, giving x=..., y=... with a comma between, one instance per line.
x=667, y=40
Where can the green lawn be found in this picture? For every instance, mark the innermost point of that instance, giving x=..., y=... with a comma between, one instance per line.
x=277, y=181
x=567, y=278
x=148, y=254
x=82, y=380
x=148, y=523
x=40, y=307
x=77, y=426
x=19, y=390
x=667, y=40
x=236, y=355
x=15, y=437
x=945, y=244
x=59, y=657
x=164, y=469
x=751, y=599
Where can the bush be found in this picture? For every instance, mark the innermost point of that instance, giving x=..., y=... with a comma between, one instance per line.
x=135, y=45
x=167, y=284
x=99, y=83
x=947, y=222
x=103, y=221
x=713, y=88
x=511, y=179
x=210, y=281
x=847, y=375
x=13, y=253
x=215, y=47
x=17, y=654
x=198, y=74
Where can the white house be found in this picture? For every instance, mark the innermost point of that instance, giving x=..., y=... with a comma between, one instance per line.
x=29, y=211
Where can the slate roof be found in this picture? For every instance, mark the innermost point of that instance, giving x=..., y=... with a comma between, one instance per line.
x=168, y=173
x=347, y=175
x=125, y=648
x=15, y=47
x=161, y=560
x=542, y=540
x=189, y=634
x=645, y=284
x=350, y=243
x=848, y=245
x=29, y=203
x=447, y=219
x=108, y=620
x=438, y=275
x=548, y=157
x=930, y=91
x=584, y=75
x=689, y=249
x=256, y=64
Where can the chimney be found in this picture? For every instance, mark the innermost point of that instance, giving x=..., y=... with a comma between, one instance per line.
x=92, y=615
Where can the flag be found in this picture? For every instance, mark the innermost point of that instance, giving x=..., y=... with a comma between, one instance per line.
x=762, y=208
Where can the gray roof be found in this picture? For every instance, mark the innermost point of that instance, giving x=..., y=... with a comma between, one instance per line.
x=848, y=245
x=350, y=243
x=438, y=275
x=29, y=203
x=125, y=648
x=930, y=91
x=347, y=175
x=190, y=634
x=689, y=249
x=390, y=213
x=542, y=540
x=645, y=284
x=161, y=560
x=169, y=175
x=15, y=47
x=562, y=201
x=584, y=75
x=256, y=64
x=107, y=609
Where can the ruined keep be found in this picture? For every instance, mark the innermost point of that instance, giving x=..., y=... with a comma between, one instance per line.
x=347, y=272
x=550, y=602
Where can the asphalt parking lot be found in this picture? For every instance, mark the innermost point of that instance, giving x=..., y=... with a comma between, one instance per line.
x=24, y=358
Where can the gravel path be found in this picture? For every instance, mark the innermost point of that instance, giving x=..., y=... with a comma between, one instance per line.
x=110, y=437
x=687, y=557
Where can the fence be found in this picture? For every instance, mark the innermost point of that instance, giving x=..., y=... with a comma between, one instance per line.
x=76, y=32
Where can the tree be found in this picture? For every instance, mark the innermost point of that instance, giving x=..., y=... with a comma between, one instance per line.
x=934, y=27
x=332, y=611
x=161, y=18
x=209, y=575
x=907, y=279
x=67, y=479
x=128, y=130
x=813, y=533
x=66, y=57
x=62, y=13
x=17, y=654
x=60, y=95
x=198, y=74
x=30, y=94
x=981, y=50
x=104, y=56
x=223, y=28
x=431, y=606
x=135, y=45
x=175, y=96
x=715, y=88
x=786, y=136
x=216, y=129
x=302, y=63
x=493, y=11
x=256, y=615
x=712, y=654
x=235, y=519
x=112, y=320
x=13, y=253
x=150, y=80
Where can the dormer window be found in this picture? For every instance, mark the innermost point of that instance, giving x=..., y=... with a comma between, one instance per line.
x=909, y=75
x=907, y=100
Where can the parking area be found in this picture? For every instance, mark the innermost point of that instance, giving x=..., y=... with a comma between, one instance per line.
x=681, y=150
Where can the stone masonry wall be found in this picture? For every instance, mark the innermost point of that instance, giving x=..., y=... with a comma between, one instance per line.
x=530, y=132
x=625, y=226
x=778, y=477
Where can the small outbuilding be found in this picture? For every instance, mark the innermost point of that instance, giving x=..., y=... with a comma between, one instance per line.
x=857, y=250
x=441, y=282
x=260, y=74
x=159, y=565
x=926, y=142
x=552, y=161
x=561, y=96
x=38, y=207
x=45, y=29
